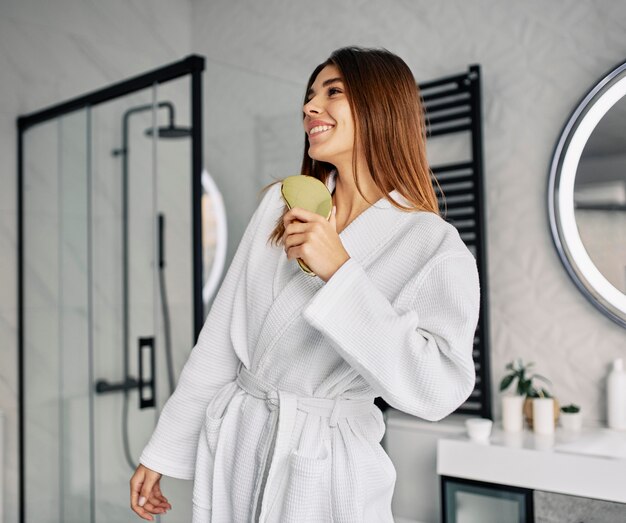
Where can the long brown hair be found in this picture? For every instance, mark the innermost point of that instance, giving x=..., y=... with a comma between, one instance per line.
x=389, y=122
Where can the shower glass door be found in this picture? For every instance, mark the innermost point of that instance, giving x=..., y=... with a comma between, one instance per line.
x=56, y=413
x=110, y=289
x=93, y=306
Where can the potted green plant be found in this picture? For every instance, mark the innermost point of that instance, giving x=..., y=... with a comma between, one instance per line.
x=571, y=417
x=526, y=386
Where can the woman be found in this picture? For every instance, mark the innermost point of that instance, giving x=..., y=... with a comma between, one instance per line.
x=273, y=416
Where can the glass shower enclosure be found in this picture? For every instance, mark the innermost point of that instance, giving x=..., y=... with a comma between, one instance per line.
x=121, y=240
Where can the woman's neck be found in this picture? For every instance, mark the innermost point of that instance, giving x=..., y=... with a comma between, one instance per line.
x=346, y=196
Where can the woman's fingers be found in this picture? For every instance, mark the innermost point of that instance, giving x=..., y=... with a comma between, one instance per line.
x=136, y=483
x=153, y=506
x=146, y=492
x=302, y=215
x=294, y=239
x=162, y=498
x=155, y=502
x=142, y=498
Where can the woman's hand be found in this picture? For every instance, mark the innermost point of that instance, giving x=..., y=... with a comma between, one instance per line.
x=145, y=494
x=314, y=240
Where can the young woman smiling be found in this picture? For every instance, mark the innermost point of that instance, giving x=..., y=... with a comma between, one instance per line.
x=273, y=416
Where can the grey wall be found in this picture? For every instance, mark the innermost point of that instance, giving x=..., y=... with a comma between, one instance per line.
x=538, y=59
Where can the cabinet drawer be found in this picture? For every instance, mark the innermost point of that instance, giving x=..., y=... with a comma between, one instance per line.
x=470, y=501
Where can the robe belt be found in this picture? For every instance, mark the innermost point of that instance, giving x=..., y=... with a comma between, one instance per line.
x=278, y=399
x=287, y=404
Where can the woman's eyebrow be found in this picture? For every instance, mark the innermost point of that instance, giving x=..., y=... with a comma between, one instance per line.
x=324, y=84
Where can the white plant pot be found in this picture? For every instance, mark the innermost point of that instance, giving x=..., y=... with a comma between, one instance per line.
x=543, y=415
x=571, y=420
x=513, y=413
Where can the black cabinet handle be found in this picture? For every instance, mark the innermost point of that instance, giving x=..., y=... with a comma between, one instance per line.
x=147, y=384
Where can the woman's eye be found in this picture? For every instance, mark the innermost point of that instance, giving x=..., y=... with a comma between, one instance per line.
x=333, y=90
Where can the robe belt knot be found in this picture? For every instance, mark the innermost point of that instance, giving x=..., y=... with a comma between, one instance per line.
x=333, y=408
x=272, y=399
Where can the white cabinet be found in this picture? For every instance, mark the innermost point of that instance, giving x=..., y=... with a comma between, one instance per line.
x=442, y=476
x=565, y=477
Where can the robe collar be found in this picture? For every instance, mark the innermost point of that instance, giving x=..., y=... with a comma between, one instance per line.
x=363, y=237
x=370, y=228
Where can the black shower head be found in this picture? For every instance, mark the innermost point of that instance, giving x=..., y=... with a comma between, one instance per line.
x=170, y=131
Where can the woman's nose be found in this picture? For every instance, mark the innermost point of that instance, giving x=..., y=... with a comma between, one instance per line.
x=311, y=108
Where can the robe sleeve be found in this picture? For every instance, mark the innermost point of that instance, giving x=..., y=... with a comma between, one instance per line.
x=417, y=357
x=212, y=364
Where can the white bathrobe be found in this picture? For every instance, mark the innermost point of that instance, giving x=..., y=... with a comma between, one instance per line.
x=273, y=416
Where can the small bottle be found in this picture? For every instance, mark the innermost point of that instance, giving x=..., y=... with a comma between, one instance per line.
x=616, y=396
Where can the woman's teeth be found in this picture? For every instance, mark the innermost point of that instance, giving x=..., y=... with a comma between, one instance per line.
x=320, y=129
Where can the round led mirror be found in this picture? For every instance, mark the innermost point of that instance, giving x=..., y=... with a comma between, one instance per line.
x=214, y=238
x=587, y=195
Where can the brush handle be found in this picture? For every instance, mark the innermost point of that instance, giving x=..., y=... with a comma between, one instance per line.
x=305, y=268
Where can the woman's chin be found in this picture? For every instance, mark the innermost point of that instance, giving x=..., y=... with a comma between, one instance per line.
x=319, y=155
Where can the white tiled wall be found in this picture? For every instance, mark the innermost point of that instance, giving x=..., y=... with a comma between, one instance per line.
x=538, y=59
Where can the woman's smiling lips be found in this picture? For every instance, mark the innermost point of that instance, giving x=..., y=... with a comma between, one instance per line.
x=317, y=127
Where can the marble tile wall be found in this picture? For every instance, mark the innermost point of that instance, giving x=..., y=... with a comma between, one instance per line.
x=537, y=58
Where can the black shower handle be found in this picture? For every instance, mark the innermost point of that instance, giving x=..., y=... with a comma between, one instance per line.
x=161, y=228
x=146, y=384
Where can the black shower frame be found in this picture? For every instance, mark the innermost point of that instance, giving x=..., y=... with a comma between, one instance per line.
x=193, y=65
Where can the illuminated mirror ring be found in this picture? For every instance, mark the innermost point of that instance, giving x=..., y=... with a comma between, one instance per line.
x=214, y=238
x=592, y=283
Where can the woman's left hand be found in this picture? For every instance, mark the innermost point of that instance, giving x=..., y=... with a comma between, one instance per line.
x=314, y=240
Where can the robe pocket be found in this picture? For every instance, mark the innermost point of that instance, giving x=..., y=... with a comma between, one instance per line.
x=216, y=411
x=307, y=493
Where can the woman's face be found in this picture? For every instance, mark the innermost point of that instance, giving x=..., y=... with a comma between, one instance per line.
x=328, y=120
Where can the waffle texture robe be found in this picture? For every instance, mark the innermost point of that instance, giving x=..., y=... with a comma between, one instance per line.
x=273, y=415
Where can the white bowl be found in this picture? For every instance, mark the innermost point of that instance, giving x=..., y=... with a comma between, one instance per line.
x=478, y=429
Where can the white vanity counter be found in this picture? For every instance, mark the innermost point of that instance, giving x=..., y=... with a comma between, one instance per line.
x=590, y=463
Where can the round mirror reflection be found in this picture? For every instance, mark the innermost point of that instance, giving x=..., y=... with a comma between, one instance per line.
x=214, y=238
x=587, y=195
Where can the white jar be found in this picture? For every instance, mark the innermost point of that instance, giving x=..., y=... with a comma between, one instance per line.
x=543, y=415
x=616, y=396
x=512, y=413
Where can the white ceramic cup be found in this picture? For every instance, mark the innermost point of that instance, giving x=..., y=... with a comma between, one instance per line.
x=512, y=413
x=478, y=429
x=543, y=415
